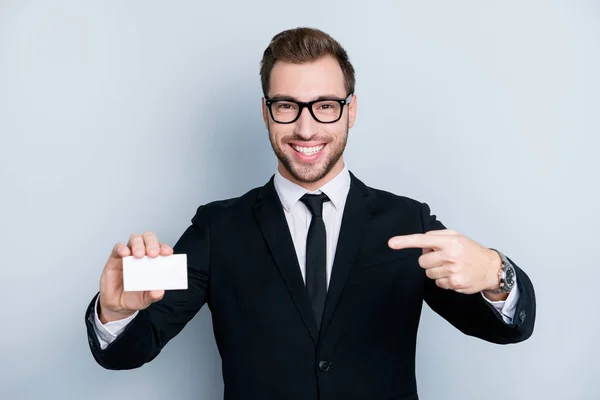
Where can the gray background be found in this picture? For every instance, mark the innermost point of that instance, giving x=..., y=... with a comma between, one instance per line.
x=122, y=117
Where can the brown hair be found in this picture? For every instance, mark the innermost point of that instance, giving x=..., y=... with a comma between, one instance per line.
x=303, y=45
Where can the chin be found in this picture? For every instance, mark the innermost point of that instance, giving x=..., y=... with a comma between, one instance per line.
x=309, y=176
x=310, y=173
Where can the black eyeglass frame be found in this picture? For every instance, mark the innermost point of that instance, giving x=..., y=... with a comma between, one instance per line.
x=308, y=104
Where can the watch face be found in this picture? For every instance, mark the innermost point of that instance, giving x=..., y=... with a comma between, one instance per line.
x=510, y=277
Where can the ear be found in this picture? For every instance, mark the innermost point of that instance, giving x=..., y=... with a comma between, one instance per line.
x=265, y=113
x=352, y=108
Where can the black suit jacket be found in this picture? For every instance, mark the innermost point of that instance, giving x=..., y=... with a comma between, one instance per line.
x=242, y=263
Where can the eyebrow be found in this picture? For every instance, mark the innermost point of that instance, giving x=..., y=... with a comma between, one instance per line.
x=278, y=96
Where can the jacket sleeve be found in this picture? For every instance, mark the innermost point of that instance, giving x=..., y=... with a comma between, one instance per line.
x=471, y=314
x=152, y=328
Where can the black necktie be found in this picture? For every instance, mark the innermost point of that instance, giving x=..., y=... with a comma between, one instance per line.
x=316, y=254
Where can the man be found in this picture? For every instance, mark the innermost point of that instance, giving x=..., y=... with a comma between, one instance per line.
x=315, y=281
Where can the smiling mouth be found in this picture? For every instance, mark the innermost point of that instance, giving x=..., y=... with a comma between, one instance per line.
x=307, y=151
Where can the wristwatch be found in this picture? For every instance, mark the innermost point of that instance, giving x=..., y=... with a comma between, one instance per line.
x=506, y=274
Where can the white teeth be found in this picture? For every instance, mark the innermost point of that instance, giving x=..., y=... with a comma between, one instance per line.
x=308, y=150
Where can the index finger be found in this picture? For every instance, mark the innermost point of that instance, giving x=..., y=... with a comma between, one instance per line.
x=417, y=240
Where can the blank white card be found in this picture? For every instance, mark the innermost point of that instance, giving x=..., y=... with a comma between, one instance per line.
x=162, y=272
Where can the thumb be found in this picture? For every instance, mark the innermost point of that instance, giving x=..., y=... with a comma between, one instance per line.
x=152, y=296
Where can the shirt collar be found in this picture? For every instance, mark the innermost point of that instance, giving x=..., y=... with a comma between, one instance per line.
x=290, y=193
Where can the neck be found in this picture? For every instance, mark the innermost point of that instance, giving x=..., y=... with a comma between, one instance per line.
x=339, y=166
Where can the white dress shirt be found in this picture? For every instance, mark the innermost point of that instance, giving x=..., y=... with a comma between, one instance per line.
x=298, y=219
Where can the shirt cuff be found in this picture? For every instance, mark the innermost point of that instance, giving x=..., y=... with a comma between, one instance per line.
x=507, y=307
x=108, y=332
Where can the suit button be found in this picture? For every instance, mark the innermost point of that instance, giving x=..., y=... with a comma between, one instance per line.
x=324, y=366
x=522, y=315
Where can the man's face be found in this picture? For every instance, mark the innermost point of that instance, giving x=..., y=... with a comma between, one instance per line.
x=309, y=152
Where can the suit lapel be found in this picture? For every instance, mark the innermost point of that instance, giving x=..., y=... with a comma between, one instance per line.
x=356, y=214
x=271, y=219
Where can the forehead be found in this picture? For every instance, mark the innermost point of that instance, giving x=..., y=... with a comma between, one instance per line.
x=309, y=80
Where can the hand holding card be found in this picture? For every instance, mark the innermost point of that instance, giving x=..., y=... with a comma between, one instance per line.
x=122, y=296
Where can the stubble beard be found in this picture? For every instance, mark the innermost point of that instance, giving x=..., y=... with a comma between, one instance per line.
x=309, y=173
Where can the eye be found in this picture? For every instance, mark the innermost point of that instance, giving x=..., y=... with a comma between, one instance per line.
x=285, y=106
x=327, y=106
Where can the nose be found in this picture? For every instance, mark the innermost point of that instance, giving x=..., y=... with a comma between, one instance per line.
x=306, y=126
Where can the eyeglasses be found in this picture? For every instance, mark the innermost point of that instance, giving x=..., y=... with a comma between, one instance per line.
x=325, y=111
